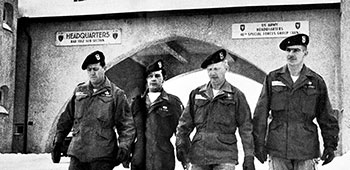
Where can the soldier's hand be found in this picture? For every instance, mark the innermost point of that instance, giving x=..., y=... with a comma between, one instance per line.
x=181, y=154
x=185, y=165
x=56, y=153
x=260, y=154
x=327, y=156
x=248, y=163
x=122, y=156
x=126, y=164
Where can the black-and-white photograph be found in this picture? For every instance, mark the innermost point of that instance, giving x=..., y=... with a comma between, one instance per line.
x=174, y=85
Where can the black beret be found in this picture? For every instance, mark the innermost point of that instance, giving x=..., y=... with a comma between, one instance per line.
x=216, y=57
x=156, y=66
x=93, y=58
x=298, y=39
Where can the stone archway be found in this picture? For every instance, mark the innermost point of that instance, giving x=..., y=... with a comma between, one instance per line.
x=180, y=54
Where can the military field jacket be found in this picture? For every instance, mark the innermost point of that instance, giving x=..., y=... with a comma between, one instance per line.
x=155, y=123
x=216, y=120
x=292, y=133
x=92, y=116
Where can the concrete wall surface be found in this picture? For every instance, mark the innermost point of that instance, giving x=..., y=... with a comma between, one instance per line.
x=8, y=33
x=344, y=81
x=56, y=70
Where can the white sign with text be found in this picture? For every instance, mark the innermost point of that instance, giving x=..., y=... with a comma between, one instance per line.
x=94, y=37
x=269, y=29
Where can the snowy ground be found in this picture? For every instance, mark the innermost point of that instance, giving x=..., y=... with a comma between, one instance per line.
x=43, y=162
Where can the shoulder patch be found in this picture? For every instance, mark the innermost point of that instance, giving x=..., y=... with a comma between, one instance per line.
x=277, y=83
x=81, y=83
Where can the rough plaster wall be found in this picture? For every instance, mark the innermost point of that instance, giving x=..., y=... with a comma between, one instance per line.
x=7, y=73
x=56, y=70
x=6, y=79
x=345, y=60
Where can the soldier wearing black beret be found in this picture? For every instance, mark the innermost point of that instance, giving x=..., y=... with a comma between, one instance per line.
x=216, y=110
x=294, y=95
x=156, y=114
x=156, y=66
x=93, y=58
x=96, y=108
x=298, y=39
x=216, y=57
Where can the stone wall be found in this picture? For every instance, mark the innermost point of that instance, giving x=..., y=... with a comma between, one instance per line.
x=8, y=32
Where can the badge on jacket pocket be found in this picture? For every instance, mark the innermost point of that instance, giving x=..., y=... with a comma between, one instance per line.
x=164, y=108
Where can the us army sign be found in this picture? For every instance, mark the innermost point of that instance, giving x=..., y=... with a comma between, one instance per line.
x=88, y=37
x=269, y=29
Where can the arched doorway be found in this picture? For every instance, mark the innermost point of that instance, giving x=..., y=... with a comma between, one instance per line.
x=181, y=55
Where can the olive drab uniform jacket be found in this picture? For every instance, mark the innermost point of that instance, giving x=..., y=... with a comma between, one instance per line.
x=155, y=124
x=216, y=119
x=92, y=117
x=292, y=133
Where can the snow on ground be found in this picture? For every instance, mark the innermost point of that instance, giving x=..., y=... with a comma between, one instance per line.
x=43, y=162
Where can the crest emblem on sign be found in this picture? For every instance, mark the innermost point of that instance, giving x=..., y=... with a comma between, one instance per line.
x=115, y=35
x=297, y=25
x=221, y=56
x=160, y=64
x=97, y=57
x=60, y=37
x=303, y=39
x=242, y=27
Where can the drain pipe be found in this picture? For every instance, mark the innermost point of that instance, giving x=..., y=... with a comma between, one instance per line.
x=26, y=104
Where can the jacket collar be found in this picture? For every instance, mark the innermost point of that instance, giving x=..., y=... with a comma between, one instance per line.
x=226, y=87
x=163, y=95
x=86, y=86
x=305, y=73
x=208, y=90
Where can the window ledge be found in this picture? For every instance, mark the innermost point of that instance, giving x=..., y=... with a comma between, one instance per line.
x=6, y=27
x=3, y=111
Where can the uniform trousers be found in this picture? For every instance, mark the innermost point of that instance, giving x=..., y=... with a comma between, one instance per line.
x=276, y=163
x=75, y=164
x=223, y=166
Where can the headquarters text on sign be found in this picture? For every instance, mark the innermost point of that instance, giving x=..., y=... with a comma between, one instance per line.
x=269, y=29
x=88, y=37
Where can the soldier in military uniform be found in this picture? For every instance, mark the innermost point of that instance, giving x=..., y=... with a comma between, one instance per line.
x=94, y=110
x=156, y=114
x=294, y=95
x=216, y=110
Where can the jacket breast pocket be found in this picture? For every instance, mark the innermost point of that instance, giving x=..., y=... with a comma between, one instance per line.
x=80, y=101
x=200, y=108
x=164, y=112
x=225, y=112
x=166, y=121
x=104, y=109
x=278, y=97
x=309, y=100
